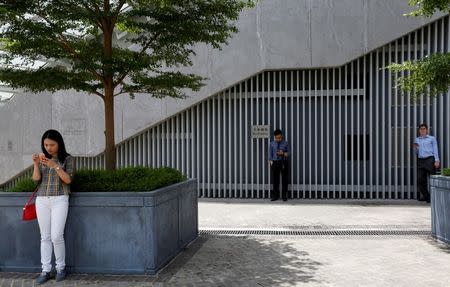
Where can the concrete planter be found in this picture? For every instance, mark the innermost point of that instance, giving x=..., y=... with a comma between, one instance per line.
x=440, y=207
x=106, y=232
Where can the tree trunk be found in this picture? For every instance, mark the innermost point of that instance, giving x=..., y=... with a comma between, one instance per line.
x=110, y=145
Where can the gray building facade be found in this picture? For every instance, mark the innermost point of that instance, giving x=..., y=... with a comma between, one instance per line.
x=304, y=67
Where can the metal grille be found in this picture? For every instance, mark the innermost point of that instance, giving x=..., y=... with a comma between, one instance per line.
x=357, y=232
x=349, y=129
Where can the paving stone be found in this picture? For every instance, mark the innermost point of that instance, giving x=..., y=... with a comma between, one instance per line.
x=323, y=261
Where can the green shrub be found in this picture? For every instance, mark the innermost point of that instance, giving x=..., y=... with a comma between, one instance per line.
x=24, y=185
x=446, y=171
x=127, y=179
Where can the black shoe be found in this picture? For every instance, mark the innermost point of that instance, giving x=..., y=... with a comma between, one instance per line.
x=284, y=198
x=43, y=277
x=273, y=199
x=60, y=275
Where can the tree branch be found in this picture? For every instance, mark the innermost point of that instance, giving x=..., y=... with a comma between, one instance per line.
x=65, y=44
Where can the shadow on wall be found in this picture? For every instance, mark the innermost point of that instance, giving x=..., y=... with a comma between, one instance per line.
x=234, y=261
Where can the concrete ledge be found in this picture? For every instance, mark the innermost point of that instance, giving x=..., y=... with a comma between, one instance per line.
x=440, y=207
x=107, y=232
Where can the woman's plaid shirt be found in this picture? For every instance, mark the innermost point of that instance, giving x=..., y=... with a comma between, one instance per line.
x=50, y=183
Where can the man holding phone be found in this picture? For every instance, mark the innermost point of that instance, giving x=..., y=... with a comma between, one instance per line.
x=278, y=160
x=427, y=160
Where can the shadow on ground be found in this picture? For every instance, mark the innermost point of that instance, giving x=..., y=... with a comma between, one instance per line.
x=441, y=245
x=238, y=261
x=211, y=261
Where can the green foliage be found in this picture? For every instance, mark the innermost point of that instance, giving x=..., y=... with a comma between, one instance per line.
x=429, y=7
x=25, y=185
x=429, y=75
x=79, y=40
x=127, y=179
x=446, y=171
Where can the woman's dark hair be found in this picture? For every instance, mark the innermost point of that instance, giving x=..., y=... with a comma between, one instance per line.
x=57, y=137
x=277, y=132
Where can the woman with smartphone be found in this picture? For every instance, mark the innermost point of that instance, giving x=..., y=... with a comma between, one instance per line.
x=53, y=171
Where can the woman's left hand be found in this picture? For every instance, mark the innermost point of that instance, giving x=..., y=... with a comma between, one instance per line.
x=49, y=162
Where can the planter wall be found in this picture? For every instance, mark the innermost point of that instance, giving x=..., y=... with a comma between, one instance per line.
x=106, y=232
x=440, y=207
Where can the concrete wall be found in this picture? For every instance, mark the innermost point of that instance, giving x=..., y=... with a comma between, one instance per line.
x=153, y=227
x=274, y=35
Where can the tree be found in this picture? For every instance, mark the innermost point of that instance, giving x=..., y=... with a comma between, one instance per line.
x=78, y=40
x=431, y=74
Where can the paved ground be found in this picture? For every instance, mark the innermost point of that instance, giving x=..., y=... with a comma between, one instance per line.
x=345, y=258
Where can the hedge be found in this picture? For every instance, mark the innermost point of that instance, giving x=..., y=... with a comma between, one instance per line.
x=126, y=179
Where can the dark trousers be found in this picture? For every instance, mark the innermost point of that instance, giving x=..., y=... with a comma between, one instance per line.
x=425, y=167
x=280, y=169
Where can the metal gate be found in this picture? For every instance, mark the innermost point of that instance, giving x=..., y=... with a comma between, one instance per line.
x=349, y=129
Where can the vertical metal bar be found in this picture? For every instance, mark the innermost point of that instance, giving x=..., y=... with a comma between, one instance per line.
x=346, y=138
x=407, y=120
x=263, y=121
x=286, y=123
x=268, y=98
x=310, y=74
x=241, y=144
x=176, y=141
x=224, y=153
x=188, y=143
x=197, y=144
x=397, y=130
x=140, y=151
x=214, y=146
x=340, y=160
x=353, y=132
x=320, y=192
x=434, y=99
x=257, y=140
x=390, y=134
x=220, y=151
x=154, y=147
x=361, y=99
x=373, y=104
x=326, y=158
x=182, y=142
x=358, y=130
x=229, y=135
x=164, y=143
x=291, y=132
x=315, y=147
x=252, y=179
x=149, y=153
x=235, y=143
x=417, y=105
x=383, y=133
x=207, y=135
x=333, y=151
x=297, y=75
x=445, y=160
x=204, y=148
x=442, y=98
x=246, y=141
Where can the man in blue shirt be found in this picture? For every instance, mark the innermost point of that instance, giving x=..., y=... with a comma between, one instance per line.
x=427, y=161
x=278, y=159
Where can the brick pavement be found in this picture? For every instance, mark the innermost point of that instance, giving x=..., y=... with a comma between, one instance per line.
x=295, y=260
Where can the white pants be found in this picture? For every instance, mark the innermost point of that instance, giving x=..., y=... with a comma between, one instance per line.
x=52, y=214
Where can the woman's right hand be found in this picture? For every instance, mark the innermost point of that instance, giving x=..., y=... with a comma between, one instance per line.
x=35, y=158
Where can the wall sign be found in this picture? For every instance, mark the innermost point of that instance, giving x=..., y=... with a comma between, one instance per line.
x=260, y=132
